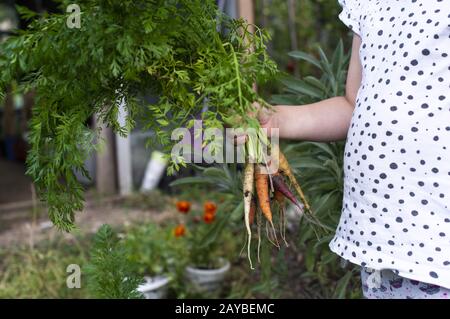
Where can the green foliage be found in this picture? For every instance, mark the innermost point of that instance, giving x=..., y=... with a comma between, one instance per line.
x=330, y=82
x=174, y=48
x=154, y=250
x=110, y=273
x=316, y=21
x=226, y=180
x=319, y=168
x=205, y=241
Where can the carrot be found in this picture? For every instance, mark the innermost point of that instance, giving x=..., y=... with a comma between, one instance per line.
x=272, y=236
x=252, y=212
x=285, y=169
x=262, y=190
x=259, y=223
x=280, y=199
x=249, y=172
x=281, y=187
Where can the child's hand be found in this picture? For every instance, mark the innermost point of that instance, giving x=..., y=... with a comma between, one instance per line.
x=266, y=119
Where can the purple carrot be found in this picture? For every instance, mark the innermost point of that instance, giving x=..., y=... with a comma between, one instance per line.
x=280, y=185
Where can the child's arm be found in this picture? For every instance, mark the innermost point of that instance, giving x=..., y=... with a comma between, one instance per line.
x=328, y=120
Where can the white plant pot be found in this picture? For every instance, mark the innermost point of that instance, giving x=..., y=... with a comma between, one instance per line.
x=207, y=280
x=155, y=287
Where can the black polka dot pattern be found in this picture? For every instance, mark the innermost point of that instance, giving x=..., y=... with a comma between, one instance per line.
x=396, y=210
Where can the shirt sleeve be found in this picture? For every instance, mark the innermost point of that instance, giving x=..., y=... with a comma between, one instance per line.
x=350, y=14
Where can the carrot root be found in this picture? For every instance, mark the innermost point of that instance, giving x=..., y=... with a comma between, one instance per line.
x=259, y=222
x=285, y=169
x=252, y=212
x=283, y=226
x=281, y=187
x=271, y=234
x=249, y=173
x=262, y=191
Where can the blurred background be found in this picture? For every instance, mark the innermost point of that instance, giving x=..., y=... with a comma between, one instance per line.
x=130, y=190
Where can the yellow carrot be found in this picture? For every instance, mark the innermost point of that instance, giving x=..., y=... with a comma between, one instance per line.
x=285, y=169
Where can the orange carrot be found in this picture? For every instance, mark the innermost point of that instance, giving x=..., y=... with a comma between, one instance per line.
x=262, y=190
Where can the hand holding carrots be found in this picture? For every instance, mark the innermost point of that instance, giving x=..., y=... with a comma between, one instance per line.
x=266, y=118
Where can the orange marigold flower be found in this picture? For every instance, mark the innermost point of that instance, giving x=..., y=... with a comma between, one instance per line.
x=183, y=206
x=179, y=231
x=210, y=208
x=209, y=218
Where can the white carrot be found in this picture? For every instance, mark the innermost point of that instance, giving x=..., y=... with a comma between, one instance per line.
x=248, y=186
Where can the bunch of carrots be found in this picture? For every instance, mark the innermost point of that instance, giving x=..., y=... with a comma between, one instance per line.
x=258, y=185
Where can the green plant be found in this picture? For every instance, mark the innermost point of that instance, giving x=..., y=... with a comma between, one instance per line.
x=315, y=21
x=154, y=250
x=329, y=83
x=184, y=51
x=321, y=167
x=226, y=181
x=321, y=176
x=203, y=252
x=110, y=274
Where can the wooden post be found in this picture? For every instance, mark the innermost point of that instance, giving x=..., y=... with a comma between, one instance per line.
x=246, y=10
x=230, y=8
x=123, y=155
x=105, y=167
x=293, y=30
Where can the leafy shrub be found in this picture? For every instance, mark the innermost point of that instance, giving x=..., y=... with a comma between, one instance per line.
x=172, y=49
x=316, y=21
x=330, y=82
x=226, y=180
x=110, y=274
x=154, y=250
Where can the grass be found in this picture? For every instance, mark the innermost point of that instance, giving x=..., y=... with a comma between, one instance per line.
x=40, y=272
